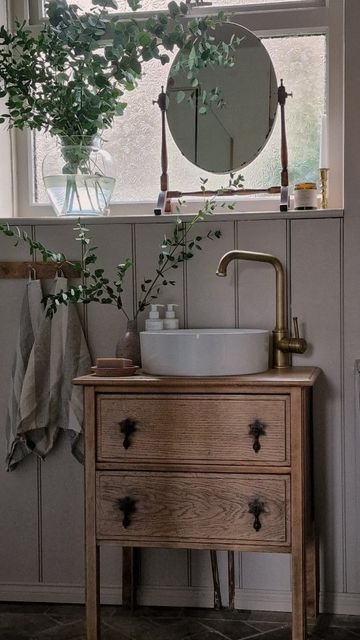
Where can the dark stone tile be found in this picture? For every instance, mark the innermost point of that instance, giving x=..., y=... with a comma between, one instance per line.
x=232, y=629
x=108, y=633
x=66, y=610
x=109, y=610
x=23, y=607
x=265, y=627
x=189, y=628
x=62, y=619
x=159, y=628
x=24, y=623
x=14, y=635
x=282, y=617
x=158, y=612
x=70, y=631
x=344, y=621
x=282, y=633
x=134, y=628
x=206, y=635
x=333, y=633
x=221, y=614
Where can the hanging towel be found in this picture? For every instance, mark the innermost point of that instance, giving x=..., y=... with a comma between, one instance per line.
x=49, y=401
x=30, y=317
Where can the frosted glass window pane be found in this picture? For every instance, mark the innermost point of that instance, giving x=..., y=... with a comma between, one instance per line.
x=156, y=5
x=136, y=136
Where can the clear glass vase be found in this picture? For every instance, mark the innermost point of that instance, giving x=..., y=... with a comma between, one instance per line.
x=79, y=177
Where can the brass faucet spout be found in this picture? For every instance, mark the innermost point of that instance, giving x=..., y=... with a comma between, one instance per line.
x=280, y=277
x=282, y=344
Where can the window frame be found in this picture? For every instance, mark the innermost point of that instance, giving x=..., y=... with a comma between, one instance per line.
x=300, y=17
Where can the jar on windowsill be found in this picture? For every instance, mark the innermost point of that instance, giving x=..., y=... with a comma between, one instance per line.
x=305, y=196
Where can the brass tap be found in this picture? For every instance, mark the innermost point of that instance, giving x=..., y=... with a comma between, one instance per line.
x=283, y=344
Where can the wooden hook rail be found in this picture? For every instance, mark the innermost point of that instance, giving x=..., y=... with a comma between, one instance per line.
x=43, y=270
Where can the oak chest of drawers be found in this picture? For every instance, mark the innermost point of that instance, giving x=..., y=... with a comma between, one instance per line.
x=211, y=463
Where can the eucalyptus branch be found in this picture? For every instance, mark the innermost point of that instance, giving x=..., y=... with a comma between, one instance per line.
x=34, y=245
x=65, y=81
x=97, y=287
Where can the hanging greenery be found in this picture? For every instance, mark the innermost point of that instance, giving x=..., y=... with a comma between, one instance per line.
x=69, y=78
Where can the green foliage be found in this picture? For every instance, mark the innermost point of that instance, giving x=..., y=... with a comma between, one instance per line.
x=64, y=80
x=180, y=247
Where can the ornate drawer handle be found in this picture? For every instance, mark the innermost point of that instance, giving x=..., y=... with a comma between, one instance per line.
x=257, y=429
x=128, y=507
x=256, y=508
x=127, y=427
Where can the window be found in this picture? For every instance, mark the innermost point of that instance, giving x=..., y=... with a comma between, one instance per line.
x=300, y=39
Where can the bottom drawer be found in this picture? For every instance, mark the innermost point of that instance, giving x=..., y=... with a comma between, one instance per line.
x=189, y=509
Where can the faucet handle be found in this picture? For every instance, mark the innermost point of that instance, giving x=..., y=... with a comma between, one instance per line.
x=297, y=344
x=296, y=327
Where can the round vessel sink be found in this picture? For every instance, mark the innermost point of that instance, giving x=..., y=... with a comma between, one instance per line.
x=205, y=352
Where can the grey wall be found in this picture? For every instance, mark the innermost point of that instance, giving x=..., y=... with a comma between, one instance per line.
x=41, y=531
x=41, y=551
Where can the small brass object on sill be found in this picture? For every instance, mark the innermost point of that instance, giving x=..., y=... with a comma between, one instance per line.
x=283, y=344
x=324, y=174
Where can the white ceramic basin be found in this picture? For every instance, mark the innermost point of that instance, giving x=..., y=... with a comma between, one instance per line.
x=204, y=352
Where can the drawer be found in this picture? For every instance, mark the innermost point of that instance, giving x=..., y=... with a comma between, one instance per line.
x=187, y=509
x=194, y=429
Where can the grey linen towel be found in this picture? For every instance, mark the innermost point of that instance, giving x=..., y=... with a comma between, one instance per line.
x=49, y=401
x=31, y=313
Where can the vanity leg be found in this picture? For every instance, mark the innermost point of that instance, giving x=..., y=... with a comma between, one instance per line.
x=92, y=579
x=92, y=593
x=298, y=595
x=312, y=585
x=216, y=580
x=231, y=579
x=298, y=517
x=130, y=577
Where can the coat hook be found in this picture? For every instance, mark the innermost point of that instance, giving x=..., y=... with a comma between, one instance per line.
x=32, y=274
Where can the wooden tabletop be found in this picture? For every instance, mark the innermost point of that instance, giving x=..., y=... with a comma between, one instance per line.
x=293, y=376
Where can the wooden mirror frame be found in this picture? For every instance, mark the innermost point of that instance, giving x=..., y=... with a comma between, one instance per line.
x=166, y=195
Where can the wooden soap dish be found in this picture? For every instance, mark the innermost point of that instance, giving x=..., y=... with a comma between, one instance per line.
x=114, y=373
x=114, y=367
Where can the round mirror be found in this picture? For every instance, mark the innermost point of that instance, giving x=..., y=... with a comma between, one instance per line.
x=229, y=133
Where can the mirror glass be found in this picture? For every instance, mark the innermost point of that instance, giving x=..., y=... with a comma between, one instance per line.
x=226, y=137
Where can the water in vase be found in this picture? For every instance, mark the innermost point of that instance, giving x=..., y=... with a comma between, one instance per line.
x=80, y=195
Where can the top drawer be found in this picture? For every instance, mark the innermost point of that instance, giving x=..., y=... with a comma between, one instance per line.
x=170, y=429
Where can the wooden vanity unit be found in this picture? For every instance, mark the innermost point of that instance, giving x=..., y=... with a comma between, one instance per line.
x=203, y=463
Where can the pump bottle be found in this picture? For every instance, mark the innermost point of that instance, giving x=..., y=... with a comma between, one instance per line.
x=170, y=321
x=154, y=322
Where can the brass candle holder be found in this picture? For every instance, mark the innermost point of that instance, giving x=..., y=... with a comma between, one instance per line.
x=324, y=174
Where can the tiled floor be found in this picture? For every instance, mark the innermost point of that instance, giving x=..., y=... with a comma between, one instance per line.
x=65, y=622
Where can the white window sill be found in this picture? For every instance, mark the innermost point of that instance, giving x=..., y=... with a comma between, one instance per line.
x=133, y=218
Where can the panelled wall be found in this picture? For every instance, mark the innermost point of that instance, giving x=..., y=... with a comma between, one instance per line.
x=41, y=503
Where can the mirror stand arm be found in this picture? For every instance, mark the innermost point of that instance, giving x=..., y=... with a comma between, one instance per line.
x=284, y=192
x=163, y=203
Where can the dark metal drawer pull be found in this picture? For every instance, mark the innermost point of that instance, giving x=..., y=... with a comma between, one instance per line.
x=127, y=427
x=128, y=507
x=257, y=429
x=256, y=508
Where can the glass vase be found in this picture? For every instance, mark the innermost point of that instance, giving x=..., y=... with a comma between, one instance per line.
x=79, y=177
x=129, y=344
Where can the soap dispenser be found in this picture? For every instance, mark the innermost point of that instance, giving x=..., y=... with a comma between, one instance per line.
x=170, y=321
x=154, y=322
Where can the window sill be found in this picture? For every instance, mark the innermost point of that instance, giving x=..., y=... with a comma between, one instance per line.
x=139, y=218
